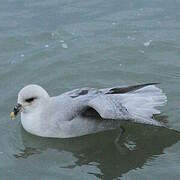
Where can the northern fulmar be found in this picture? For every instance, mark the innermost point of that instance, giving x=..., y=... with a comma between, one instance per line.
x=86, y=110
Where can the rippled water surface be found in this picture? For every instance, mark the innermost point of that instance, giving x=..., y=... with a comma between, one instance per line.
x=66, y=44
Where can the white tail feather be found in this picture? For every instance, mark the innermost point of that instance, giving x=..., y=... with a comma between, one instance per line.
x=142, y=104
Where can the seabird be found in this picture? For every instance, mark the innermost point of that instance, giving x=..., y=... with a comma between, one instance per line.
x=86, y=110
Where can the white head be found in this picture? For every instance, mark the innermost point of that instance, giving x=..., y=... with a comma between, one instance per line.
x=29, y=98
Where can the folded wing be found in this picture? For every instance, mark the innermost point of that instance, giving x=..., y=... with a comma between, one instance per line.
x=136, y=103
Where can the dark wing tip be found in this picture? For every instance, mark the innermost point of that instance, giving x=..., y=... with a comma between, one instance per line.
x=121, y=90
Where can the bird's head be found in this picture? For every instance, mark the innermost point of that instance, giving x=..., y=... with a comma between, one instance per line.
x=29, y=99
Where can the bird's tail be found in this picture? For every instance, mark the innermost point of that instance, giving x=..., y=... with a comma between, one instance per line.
x=142, y=103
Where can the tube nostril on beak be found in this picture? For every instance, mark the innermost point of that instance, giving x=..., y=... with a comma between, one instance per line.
x=17, y=108
x=15, y=111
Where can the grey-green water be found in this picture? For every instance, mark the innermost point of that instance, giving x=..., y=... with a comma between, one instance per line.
x=67, y=44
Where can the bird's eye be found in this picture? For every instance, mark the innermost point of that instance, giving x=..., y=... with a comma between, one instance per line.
x=30, y=99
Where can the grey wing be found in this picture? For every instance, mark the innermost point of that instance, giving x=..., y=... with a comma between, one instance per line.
x=97, y=102
x=122, y=103
x=106, y=105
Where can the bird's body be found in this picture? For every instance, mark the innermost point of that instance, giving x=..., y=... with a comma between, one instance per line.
x=61, y=117
x=87, y=110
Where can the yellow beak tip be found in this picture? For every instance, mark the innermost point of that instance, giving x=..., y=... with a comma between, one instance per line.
x=12, y=116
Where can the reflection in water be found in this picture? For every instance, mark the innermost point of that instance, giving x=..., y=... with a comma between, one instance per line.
x=113, y=156
x=28, y=151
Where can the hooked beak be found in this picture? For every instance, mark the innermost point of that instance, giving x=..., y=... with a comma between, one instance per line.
x=15, y=111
